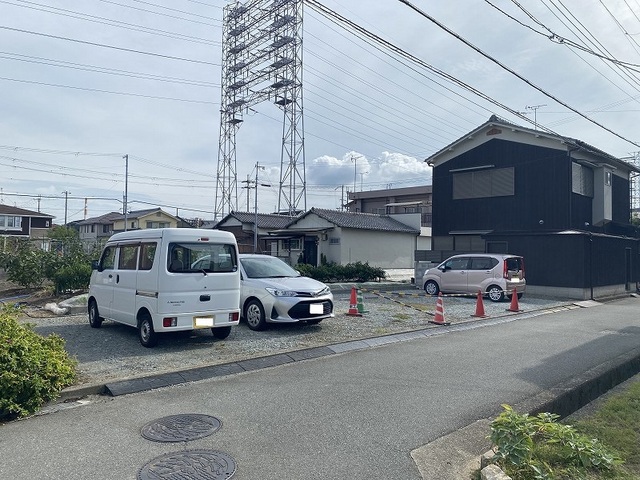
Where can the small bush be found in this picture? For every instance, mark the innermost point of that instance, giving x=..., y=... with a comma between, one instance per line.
x=72, y=277
x=33, y=369
x=540, y=448
x=351, y=272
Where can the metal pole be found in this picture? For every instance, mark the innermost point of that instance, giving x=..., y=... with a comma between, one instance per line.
x=66, y=195
x=255, y=223
x=126, y=189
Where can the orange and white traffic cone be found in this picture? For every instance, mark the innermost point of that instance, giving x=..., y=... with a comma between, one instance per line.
x=479, y=306
x=514, y=302
x=438, y=319
x=353, y=304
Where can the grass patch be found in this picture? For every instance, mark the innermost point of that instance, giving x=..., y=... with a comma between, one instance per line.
x=400, y=317
x=616, y=423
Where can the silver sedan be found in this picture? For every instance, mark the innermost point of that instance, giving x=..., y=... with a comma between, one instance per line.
x=273, y=292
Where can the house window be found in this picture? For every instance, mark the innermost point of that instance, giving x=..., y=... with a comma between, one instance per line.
x=11, y=223
x=106, y=228
x=93, y=228
x=292, y=244
x=334, y=241
x=581, y=180
x=157, y=224
x=495, y=182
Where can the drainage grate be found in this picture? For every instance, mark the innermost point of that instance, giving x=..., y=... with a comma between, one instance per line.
x=180, y=428
x=191, y=464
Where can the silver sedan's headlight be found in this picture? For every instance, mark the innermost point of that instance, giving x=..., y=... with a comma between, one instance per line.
x=281, y=293
x=324, y=291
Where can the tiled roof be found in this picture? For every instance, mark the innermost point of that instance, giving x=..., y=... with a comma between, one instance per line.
x=584, y=146
x=105, y=219
x=265, y=220
x=9, y=210
x=363, y=221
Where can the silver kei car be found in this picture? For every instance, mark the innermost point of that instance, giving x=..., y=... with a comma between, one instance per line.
x=273, y=292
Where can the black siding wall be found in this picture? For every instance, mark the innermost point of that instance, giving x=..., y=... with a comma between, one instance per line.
x=574, y=260
x=542, y=186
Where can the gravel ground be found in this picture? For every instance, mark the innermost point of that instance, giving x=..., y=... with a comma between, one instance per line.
x=113, y=351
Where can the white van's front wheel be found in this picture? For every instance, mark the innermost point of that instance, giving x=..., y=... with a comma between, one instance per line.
x=148, y=337
x=94, y=316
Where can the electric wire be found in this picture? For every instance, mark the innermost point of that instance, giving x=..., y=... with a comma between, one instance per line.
x=103, y=70
x=513, y=72
x=108, y=21
x=102, y=45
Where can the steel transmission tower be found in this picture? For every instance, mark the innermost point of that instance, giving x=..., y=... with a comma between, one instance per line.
x=262, y=60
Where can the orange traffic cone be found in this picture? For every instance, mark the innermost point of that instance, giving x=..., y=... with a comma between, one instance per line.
x=479, y=306
x=438, y=319
x=353, y=304
x=514, y=302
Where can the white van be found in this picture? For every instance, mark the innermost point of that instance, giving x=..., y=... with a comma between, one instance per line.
x=167, y=280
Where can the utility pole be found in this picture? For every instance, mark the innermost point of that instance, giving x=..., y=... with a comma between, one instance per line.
x=361, y=174
x=66, y=195
x=355, y=171
x=255, y=224
x=126, y=191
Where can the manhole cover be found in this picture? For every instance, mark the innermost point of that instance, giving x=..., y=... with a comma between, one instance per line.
x=190, y=464
x=180, y=428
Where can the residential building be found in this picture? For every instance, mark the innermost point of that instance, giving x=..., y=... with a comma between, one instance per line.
x=94, y=231
x=20, y=223
x=560, y=202
x=385, y=241
x=143, y=219
x=398, y=201
x=242, y=225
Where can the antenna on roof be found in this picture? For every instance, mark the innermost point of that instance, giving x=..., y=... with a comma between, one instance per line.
x=535, y=113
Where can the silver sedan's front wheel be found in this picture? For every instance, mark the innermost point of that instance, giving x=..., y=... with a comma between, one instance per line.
x=254, y=315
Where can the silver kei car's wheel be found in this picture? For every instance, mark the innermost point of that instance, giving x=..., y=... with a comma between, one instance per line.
x=431, y=288
x=495, y=293
x=254, y=315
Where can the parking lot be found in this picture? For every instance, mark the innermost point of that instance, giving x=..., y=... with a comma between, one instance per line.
x=114, y=352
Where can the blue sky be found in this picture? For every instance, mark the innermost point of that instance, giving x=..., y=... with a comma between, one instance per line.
x=72, y=108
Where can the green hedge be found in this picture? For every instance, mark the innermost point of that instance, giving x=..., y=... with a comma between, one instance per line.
x=33, y=369
x=351, y=272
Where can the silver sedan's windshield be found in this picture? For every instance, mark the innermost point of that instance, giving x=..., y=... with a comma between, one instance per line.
x=267, y=267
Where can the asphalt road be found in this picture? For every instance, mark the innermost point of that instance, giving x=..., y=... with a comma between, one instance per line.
x=356, y=415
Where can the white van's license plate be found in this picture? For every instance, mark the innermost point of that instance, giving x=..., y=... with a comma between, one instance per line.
x=315, y=308
x=203, y=322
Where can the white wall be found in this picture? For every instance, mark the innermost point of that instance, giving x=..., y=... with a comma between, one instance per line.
x=380, y=249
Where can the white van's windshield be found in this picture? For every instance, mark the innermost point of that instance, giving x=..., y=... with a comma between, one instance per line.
x=201, y=257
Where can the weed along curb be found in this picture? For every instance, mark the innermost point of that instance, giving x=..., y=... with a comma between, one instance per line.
x=569, y=397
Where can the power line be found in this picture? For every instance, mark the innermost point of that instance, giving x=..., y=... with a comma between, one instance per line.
x=511, y=71
x=103, y=70
x=97, y=90
x=94, y=44
x=110, y=22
